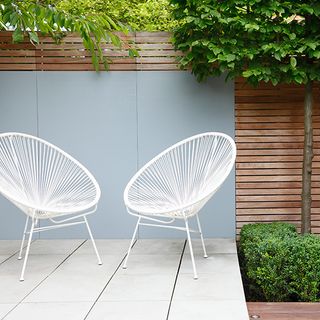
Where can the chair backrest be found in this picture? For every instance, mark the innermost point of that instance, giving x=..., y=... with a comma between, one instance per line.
x=188, y=172
x=36, y=175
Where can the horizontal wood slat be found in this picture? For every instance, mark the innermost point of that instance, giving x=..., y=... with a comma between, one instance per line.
x=155, y=49
x=284, y=310
x=269, y=135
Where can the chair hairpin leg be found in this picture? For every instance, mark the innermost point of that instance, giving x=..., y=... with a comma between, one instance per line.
x=23, y=238
x=195, y=275
x=131, y=243
x=201, y=236
x=27, y=251
x=92, y=240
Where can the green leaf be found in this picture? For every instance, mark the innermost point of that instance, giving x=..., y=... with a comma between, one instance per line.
x=316, y=54
x=277, y=56
x=293, y=62
x=230, y=57
x=133, y=53
x=18, y=35
x=33, y=37
x=247, y=73
x=292, y=36
x=250, y=56
x=298, y=79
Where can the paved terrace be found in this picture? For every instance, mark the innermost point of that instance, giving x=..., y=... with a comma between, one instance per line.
x=63, y=281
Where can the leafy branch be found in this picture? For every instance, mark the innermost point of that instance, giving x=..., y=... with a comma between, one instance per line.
x=29, y=18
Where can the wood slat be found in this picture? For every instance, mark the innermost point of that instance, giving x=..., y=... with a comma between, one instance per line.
x=270, y=185
x=273, y=165
x=156, y=53
x=284, y=310
x=293, y=112
x=271, y=126
x=269, y=136
x=274, y=191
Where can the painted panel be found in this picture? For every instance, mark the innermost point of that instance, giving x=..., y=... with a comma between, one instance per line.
x=173, y=106
x=18, y=113
x=93, y=117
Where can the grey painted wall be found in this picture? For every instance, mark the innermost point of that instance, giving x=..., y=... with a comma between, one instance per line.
x=113, y=123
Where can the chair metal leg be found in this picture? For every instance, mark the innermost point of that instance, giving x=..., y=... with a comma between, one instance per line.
x=27, y=251
x=202, y=241
x=92, y=240
x=195, y=275
x=23, y=238
x=131, y=243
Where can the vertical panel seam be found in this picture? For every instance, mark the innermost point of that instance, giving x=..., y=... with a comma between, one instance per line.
x=37, y=105
x=137, y=123
x=37, y=123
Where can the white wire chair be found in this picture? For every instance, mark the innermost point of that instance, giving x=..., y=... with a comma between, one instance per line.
x=45, y=183
x=178, y=182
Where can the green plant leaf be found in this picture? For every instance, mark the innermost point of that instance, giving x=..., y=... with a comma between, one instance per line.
x=18, y=35
x=293, y=62
x=33, y=37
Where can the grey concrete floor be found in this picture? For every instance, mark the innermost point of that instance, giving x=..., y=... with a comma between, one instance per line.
x=63, y=281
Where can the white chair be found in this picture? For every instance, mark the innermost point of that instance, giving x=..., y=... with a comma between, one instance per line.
x=178, y=182
x=45, y=183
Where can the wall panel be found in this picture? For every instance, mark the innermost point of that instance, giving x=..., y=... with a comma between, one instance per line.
x=269, y=136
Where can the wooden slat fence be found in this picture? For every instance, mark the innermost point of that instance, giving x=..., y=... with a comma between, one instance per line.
x=155, y=53
x=269, y=136
x=284, y=310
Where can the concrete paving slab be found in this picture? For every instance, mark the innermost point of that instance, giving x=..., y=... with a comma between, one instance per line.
x=208, y=310
x=9, y=247
x=151, y=264
x=215, y=263
x=213, y=246
x=50, y=311
x=61, y=285
x=80, y=278
x=106, y=246
x=212, y=287
x=158, y=246
x=130, y=310
x=38, y=268
x=4, y=257
x=139, y=287
x=5, y=308
x=53, y=246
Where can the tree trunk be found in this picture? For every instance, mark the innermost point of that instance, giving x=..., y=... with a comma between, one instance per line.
x=307, y=161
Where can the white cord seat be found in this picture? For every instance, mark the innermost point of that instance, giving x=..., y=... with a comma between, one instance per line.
x=45, y=183
x=178, y=182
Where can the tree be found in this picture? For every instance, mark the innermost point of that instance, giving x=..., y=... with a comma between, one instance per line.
x=272, y=40
x=30, y=17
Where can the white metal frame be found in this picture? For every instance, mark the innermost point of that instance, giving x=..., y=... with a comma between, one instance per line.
x=46, y=183
x=177, y=183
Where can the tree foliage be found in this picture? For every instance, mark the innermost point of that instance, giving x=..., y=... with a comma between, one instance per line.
x=29, y=17
x=273, y=40
x=139, y=15
x=261, y=40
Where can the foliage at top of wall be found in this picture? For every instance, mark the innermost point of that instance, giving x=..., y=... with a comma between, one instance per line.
x=29, y=17
x=277, y=41
x=138, y=15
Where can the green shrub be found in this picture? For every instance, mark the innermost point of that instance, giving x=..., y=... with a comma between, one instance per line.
x=279, y=265
x=304, y=268
x=139, y=15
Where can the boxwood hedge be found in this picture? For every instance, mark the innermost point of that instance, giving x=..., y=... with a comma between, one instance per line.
x=278, y=264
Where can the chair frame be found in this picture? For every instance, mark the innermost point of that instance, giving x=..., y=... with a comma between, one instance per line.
x=34, y=228
x=161, y=223
x=68, y=215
